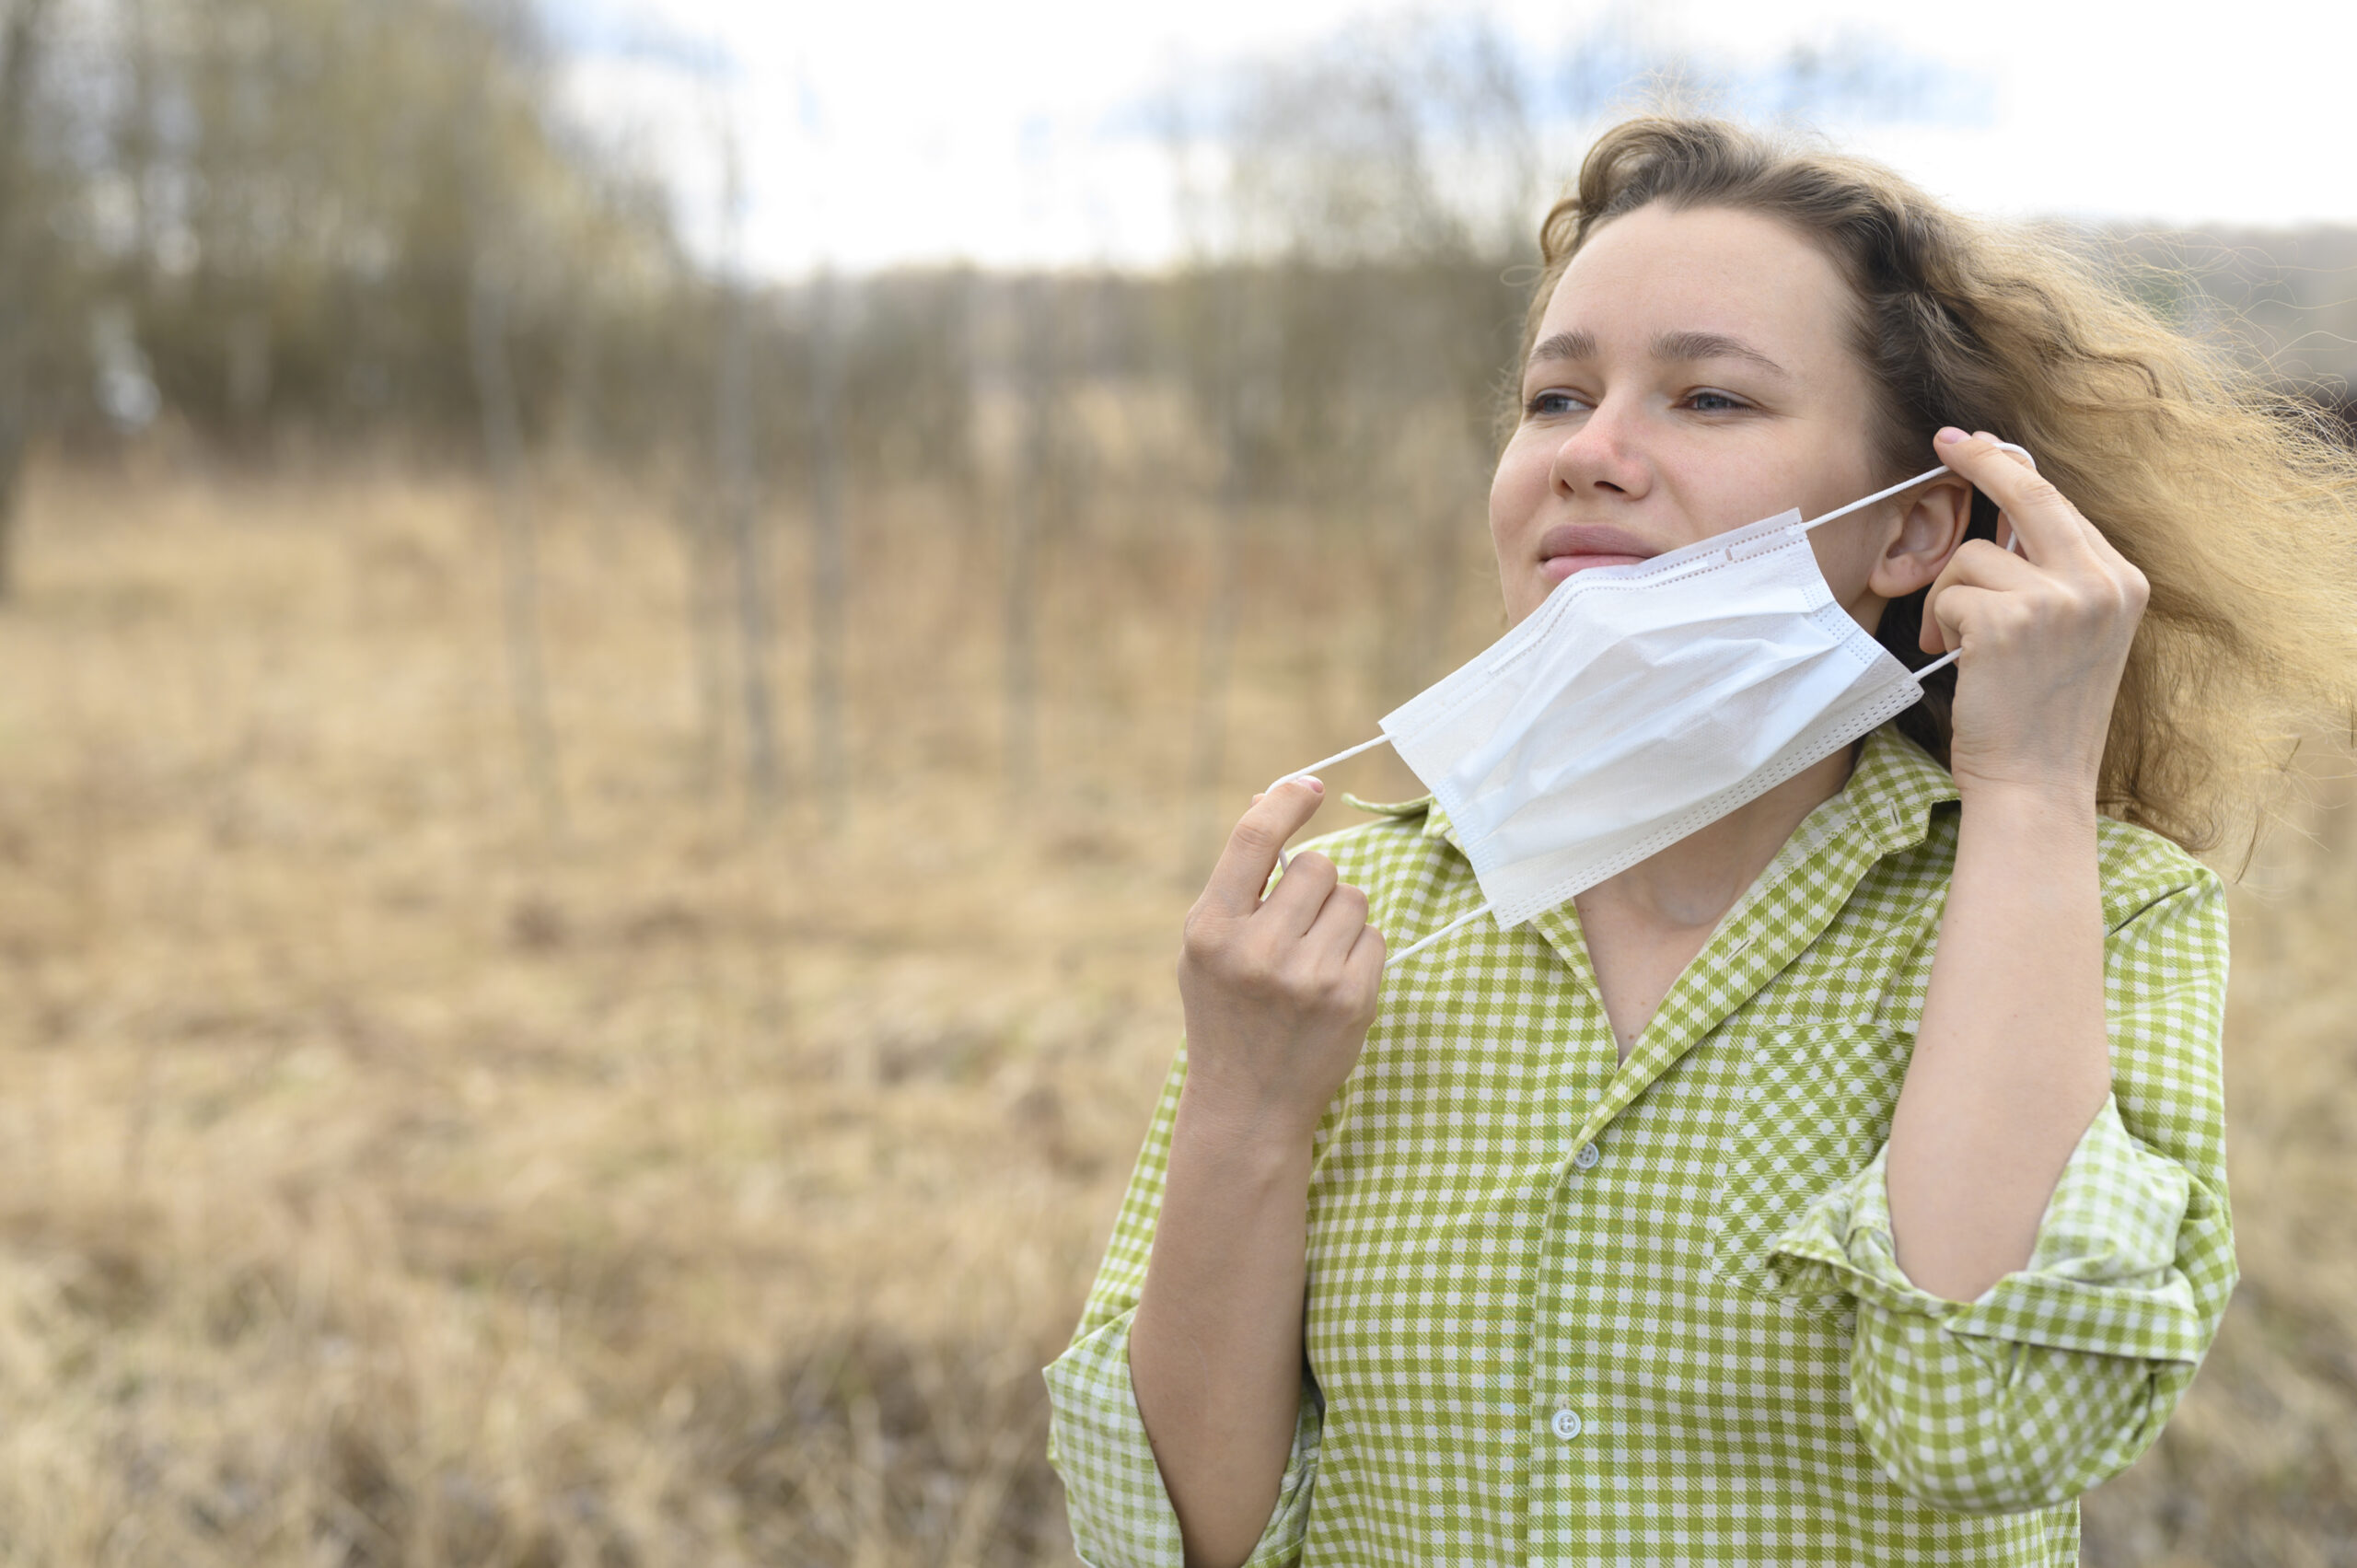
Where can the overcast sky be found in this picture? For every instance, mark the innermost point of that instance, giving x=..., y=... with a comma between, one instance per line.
x=1015, y=132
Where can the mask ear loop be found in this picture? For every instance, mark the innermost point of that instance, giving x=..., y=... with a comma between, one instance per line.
x=2012, y=540
x=1285, y=859
x=1324, y=762
x=1904, y=484
x=1412, y=948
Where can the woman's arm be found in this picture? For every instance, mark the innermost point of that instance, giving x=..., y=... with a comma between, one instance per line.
x=2064, y=1373
x=1279, y=994
x=2011, y=1062
x=1216, y=1349
x=2011, y=1059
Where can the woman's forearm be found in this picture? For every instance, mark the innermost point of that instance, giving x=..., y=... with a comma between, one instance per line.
x=1216, y=1348
x=2011, y=1062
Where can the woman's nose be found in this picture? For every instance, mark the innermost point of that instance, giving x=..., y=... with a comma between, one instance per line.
x=1602, y=454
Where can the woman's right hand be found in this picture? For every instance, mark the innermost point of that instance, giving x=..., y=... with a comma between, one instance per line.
x=1278, y=992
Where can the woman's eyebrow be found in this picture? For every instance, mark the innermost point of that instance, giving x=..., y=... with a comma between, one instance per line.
x=1675, y=347
x=1684, y=346
x=1579, y=344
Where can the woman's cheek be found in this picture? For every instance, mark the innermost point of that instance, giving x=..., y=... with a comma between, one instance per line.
x=1516, y=490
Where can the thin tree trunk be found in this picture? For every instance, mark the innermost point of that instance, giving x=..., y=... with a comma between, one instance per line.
x=828, y=572
x=518, y=555
x=24, y=36
x=13, y=434
x=733, y=456
x=707, y=623
x=1209, y=744
x=1442, y=551
x=1023, y=529
x=1216, y=656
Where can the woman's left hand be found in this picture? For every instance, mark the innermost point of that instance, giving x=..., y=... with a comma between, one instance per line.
x=2044, y=634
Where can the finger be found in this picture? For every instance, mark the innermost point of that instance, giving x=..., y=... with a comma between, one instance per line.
x=1988, y=565
x=2096, y=539
x=1365, y=966
x=1283, y=860
x=1977, y=564
x=1965, y=605
x=2007, y=537
x=1294, y=907
x=1338, y=923
x=1251, y=852
x=2048, y=525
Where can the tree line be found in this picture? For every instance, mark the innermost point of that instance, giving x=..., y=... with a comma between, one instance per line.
x=348, y=221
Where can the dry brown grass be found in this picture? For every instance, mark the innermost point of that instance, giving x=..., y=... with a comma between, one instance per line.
x=388, y=1177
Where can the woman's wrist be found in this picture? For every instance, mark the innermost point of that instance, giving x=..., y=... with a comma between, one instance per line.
x=2060, y=796
x=1239, y=1134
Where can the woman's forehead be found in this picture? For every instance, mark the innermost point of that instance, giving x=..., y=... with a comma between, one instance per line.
x=1708, y=272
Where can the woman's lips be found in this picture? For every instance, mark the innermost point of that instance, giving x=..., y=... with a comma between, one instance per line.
x=1575, y=547
x=1555, y=568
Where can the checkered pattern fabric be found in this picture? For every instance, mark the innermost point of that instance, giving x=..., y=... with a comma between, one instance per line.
x=1564, y=1308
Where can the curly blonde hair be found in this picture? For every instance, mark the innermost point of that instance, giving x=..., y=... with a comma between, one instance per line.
x=2237, y=500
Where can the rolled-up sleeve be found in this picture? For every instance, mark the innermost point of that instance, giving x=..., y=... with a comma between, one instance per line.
x=1119, y=1512
x=2063, y=1373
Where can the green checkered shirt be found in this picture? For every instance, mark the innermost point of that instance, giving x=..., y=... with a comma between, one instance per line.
x=1564, y=1308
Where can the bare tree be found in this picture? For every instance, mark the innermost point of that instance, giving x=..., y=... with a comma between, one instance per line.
x=733, y=484
x=1035, y=352
x=25, y=36
x=1239, y=352
x=829, y=576
x=706, y=548
x=493, y=242
x=518, y=553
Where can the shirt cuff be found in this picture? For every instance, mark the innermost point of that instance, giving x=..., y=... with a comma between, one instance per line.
x=2102, y=1274
x=1121, y=1513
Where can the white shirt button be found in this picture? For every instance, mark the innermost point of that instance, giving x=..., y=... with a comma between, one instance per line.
x=1566, y=1424
x=1587, y=1156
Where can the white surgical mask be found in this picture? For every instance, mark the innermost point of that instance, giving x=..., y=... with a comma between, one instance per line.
x=1640, y=702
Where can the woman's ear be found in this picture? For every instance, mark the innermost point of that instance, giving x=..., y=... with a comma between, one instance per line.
x=1929, y=532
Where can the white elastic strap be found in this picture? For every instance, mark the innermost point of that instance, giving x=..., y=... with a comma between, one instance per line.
x=1417, y=946
x=2012, y=542
x=1327, y=761
x=1284, y=856
x=1904, y=484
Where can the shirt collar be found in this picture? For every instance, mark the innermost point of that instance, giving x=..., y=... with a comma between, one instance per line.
x=1437, y=824
x=1889, y=798
x=1892, y=790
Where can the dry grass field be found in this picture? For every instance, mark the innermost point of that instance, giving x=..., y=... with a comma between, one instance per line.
x=390, y=1174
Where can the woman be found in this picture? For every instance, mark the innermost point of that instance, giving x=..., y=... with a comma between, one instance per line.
x=1844, y=1182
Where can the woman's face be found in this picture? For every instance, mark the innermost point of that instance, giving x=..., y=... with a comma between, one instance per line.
x=1693, y=374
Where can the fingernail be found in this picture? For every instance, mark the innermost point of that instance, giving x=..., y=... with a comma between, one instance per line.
x=1314, y=787
x=1949, y=436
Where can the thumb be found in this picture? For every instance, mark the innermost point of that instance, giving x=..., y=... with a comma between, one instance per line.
x=1250, y=858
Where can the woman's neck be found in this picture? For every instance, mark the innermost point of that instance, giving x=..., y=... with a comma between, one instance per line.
x=1693, y=883
x=1645, y=925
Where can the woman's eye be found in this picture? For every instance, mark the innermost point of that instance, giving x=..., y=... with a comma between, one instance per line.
x=1544, y=404
x=1712, y=402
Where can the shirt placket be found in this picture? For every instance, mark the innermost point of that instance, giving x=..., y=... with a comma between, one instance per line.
x=1570, y=1434
x=1584, y=1063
